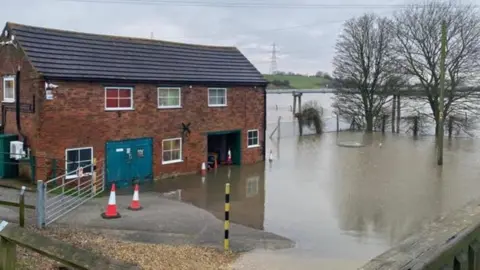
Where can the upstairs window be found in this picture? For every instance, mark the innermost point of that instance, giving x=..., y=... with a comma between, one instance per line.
x=76, y=158
x=118, y=98
x=9, y=89
x=169, y=98
x=252, y=138
x=217, y=97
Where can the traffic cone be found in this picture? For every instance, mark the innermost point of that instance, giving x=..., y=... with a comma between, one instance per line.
x=204, y=169
x=135, y=205
x=111, y=211
x=229, y=157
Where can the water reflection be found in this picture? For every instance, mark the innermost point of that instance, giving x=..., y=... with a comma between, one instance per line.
x=247, y=196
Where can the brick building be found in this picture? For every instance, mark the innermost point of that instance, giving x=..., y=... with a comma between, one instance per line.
x=144, y=108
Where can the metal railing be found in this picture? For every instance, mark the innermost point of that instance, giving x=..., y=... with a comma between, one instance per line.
x=60, y=195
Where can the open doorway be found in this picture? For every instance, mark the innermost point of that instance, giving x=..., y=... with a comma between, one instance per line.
x=218, y=144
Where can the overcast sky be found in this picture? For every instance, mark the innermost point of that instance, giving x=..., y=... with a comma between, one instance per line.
x=305, y=36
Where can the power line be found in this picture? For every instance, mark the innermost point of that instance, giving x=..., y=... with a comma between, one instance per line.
x=317, y=22
x=238, y=4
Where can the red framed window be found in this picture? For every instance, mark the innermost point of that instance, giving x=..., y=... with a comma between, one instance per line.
x=118, y=98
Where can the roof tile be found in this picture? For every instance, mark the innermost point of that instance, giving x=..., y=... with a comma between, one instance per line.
x=73, y=55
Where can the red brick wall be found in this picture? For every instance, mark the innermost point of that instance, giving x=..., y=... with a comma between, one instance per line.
x=76, y=118
x=30, y=84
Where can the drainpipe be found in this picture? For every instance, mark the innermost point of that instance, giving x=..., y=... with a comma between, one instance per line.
x=17, y=108
x=264, y=120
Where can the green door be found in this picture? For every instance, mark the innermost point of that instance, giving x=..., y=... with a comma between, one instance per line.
x=129, y=160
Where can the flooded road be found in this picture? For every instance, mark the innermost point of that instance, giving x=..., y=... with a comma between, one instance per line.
x=342, y=206
x=341, y=203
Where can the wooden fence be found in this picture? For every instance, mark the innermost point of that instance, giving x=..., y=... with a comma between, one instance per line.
x=68, y=255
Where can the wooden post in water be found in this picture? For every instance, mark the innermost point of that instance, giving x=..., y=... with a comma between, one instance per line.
x=384, y=122
x=294, y=110
x=399, y=108
x=415, y=126
x=278, y=128
x=299, y=102
x=338, y=120
x=393, y=112
x=450, y=126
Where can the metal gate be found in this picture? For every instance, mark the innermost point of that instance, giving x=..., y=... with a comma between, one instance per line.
x=60, y=195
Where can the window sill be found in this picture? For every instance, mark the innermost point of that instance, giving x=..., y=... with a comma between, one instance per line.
x=169, y=107
x=73, y=176
x=119, y=109
x=8, y=101
x=217, y=106
x=253, y=146
x=172, y=162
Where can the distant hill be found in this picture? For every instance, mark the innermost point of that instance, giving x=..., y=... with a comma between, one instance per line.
x=296, y=81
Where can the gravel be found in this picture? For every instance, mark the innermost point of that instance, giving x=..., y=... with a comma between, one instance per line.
x=146, y=256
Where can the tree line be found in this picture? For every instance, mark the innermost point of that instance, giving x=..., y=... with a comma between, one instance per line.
x=377, y=55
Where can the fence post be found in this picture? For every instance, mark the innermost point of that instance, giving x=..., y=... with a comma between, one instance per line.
x=450, y=127
x=94, y=177
x=278, y=126
x=8, y=254
x=399, y=109
x=40, y=207
x=338, y=119
x=384, y=123
x=394, y=104
x=21, y=208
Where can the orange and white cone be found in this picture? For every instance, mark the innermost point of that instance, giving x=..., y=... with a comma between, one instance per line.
x=204, y=168
x=135, y=205
x=111, y=211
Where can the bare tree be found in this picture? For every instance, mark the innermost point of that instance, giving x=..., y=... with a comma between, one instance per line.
x=364, y=62
x=418, y=43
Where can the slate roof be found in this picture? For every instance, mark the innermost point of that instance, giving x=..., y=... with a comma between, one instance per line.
x=59, y=54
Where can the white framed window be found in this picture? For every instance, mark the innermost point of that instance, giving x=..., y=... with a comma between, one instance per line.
x=252, y=138
x=217, y=97
x=78, y=157
x=118, y=98
x=172, y=150
x=8, y=89
x=169, y=97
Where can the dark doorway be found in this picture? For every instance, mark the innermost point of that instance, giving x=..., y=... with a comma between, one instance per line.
x=219, y=143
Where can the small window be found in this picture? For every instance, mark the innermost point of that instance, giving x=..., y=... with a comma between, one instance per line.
x=171, y=150
x=217, y=97
x=9, y=89
x=76, y=158
x=118, y=98
x=169, y=98
x=252, y=138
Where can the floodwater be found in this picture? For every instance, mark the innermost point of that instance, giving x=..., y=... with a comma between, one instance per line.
x=342, y=206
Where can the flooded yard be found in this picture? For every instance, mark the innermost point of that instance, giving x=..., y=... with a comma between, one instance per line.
x=340, y=204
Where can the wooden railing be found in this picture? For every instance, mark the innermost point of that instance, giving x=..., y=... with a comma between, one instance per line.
x=21, y=206
x=450, y=243
x=68, y=255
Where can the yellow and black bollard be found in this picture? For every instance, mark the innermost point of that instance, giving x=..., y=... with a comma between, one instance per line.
x=226, y=241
